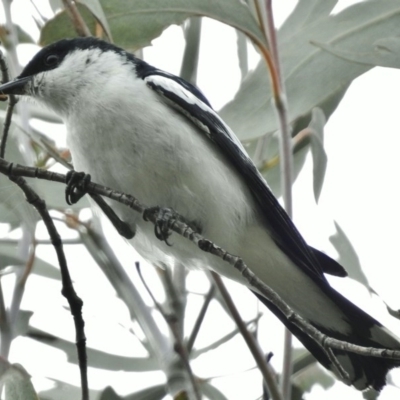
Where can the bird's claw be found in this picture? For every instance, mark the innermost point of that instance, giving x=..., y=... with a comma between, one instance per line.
x=164, y=218
x=77, y=183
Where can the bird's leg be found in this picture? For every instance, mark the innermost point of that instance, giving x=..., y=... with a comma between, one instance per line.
x=77, y=184
x=163, y=219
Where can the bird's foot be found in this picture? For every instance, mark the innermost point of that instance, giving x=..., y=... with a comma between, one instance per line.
x=77, y=183
x=163, y=220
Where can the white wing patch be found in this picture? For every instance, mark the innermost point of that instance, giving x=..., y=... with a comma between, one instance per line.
x=176, y=88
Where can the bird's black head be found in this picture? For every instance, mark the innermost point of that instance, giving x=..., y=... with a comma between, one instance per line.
x=51, y=56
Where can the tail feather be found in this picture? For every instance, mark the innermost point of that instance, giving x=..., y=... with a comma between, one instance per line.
x=364, y=372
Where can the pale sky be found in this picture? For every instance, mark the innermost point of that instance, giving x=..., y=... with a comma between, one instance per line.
x=360, y=192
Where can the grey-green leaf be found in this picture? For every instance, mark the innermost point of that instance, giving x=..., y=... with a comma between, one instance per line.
x=311, y=74
x=212, y=392
x=96, y=358
x=97, y=10
x=66, y=391
x=384, y=52
x=136, y=23
x=242, y=53
x=348, y=256
x=9, y=257
x=14, y=208
x=313, y=375
x=320, y=159
x=157, y=392
x=18, y=385
x=306, y=13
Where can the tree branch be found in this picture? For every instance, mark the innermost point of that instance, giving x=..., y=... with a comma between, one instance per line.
x=67, y=291
x=206, y=245
x=264, y=367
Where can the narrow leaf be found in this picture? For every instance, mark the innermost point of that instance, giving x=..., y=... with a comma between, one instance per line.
x=136, y=23
x=242, y=53
x=348, y=256
x=306, y=13
x=212, y=392
x=66, y=391
x=9, y=257
x=319, y=156
x=311, y=75
x=96, y=358
x=384, y=53
x=157, y=392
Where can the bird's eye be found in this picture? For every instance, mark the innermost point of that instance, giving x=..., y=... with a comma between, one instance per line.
x=51, y=60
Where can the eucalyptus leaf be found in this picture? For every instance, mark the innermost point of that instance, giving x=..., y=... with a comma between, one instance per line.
x=22, y=35
x=21, y=326
x=242, y=53
x=313, y=375
x=110, y=394
x=319, y=156
x=348, y=256
x=96, y=358
x=384, y=53
x=157, y=392
x=212, y=392
x=9, y=256
x=18, y=385
x=311, y=75
x=97, y=10
x=61, y=25
x=66, y=391
x=136, y=23
x=302, y=359
x=14, y=209
x=306, y=13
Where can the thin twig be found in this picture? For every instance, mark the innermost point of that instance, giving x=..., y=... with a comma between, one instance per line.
x=179, y=347
x=200, y=318
x=76, y=18
x=67, y=291
x=265, y=369
x=175, y=304
x=286, y=157
x=5, y=329
x=20, y=285
x=10, y=107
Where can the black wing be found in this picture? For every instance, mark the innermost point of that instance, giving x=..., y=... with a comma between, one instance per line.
x=187, y=99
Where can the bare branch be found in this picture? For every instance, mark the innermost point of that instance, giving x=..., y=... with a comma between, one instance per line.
x=264, y=367
x=200, y=318
x=179, y=347
x=68, y=291
x=204, y=244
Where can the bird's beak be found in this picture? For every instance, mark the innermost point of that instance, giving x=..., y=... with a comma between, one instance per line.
x=17, y=86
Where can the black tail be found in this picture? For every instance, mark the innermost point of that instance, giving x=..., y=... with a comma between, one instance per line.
x=365, y=372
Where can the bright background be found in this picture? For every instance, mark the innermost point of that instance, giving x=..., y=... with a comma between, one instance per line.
x=360, y=192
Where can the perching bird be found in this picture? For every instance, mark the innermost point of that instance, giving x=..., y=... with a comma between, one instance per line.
x=145, y=132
